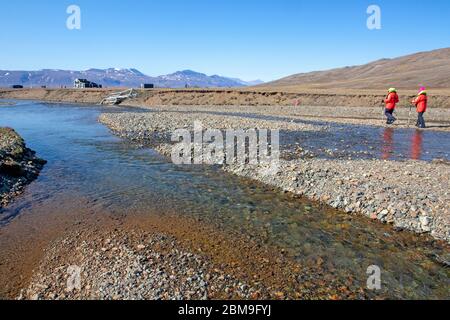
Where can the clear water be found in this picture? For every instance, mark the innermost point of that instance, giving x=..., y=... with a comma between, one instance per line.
x=85, y=160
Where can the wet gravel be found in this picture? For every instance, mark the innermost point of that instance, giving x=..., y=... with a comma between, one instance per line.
x=132, y=265
x=136, y=264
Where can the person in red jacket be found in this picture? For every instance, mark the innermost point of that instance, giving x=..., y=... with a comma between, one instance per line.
x=391, y=102
x=421, y=103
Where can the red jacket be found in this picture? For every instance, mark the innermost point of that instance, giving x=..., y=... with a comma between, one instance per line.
x=421, y=103
x=392, y=100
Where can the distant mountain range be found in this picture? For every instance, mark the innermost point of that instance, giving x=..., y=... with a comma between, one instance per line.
x=431, y=69
x=117, y=78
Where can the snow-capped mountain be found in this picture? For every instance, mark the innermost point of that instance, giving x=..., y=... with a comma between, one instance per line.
x=196, y=79
x=248, y=83
x=114, y=77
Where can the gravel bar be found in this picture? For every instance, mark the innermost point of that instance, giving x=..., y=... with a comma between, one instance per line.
x=410, y=195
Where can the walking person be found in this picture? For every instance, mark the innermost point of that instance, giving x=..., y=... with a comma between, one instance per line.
x=421, y=103
x=391, y=102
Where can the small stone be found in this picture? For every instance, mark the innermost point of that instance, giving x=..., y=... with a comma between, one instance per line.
x=279, y=295
x=383, y=214
x=425, y=223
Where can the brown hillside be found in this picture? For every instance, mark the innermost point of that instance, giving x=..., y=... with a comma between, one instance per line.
x=431, y=69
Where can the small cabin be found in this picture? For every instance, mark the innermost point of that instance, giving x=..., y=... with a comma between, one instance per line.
x=84, y=83
x=147, y=86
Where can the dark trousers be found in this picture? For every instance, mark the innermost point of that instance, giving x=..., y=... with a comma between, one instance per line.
x=420, y=120
x=389, y=116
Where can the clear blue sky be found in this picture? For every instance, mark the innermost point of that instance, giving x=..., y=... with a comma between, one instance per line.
x=250, y=39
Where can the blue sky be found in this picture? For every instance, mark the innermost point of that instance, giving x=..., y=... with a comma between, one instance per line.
x=250, y=39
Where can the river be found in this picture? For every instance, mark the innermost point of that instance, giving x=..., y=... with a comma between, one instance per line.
x=86, y=160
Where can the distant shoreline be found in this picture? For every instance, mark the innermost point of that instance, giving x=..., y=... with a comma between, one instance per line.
x=338, y=106
x=7, y=104
x=251, y=96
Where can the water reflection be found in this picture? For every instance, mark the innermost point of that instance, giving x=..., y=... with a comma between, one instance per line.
x=387, y=148
x=394, y=142
x=417, y=145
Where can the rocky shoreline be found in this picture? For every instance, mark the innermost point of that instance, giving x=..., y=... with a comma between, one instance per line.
x=410, y=195
x=131, y=266
x=19, y=165
x=165, y=258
